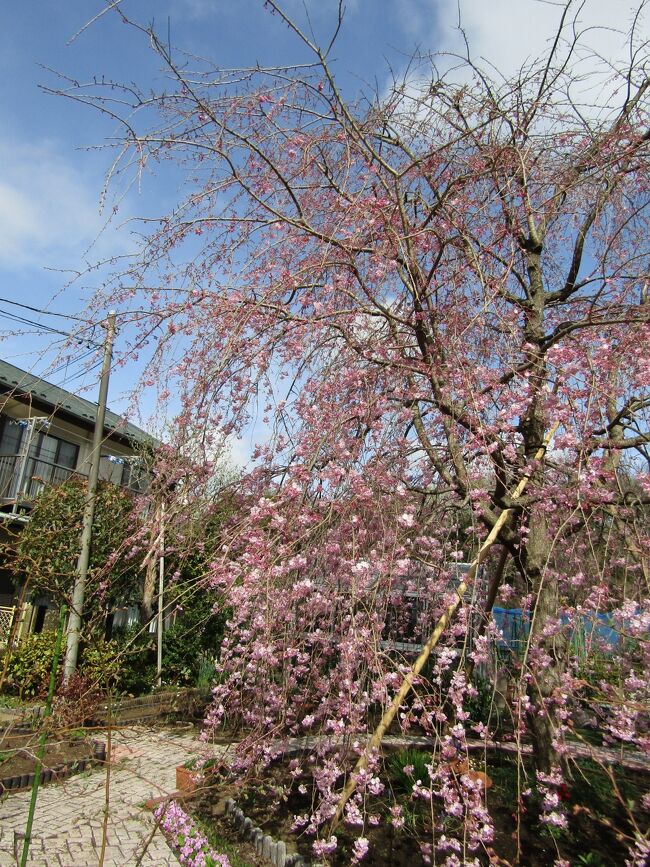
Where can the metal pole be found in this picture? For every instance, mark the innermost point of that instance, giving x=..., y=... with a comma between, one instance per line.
x=76, y=611
x=161, y=579
x=23, y=458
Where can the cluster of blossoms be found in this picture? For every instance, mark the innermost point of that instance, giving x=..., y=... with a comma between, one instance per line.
x=551, y=787
x=193, y=847
x=463, y=797
x=639, y=853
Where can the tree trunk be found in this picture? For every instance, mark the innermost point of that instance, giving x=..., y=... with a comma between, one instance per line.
x=546, y=653
x=146, y=605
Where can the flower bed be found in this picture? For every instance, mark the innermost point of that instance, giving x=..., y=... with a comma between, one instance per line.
x=62, y=759
x=423, y=812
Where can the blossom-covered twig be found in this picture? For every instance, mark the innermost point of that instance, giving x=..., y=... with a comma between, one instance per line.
x=192, y=846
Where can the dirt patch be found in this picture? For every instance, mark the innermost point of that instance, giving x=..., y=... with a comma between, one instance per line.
x=18, y=753
x=273, y=809
x=601, y=811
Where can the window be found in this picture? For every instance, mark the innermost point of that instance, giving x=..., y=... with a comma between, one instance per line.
x=44, y=446
x=51, y=461
x=11, y=435
x=52, y=450
x=31, y=457
x=134, y=475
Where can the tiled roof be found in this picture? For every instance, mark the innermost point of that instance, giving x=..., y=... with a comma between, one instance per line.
x=25, y=386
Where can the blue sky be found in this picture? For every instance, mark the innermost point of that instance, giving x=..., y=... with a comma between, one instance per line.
x=52, y=163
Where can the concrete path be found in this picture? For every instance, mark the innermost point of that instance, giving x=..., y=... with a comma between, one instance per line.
x=67, y=829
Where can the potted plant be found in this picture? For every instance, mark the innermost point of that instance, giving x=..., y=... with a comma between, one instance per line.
x=186, y=777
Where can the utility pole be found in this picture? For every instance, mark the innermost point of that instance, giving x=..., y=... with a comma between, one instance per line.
x=76, y=609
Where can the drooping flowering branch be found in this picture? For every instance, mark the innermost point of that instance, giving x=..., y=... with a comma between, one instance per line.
x=375, y=741
x=192, y=845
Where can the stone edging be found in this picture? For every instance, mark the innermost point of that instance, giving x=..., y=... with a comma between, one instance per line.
x=55, y=774
x=151, y=706
x=274, y=851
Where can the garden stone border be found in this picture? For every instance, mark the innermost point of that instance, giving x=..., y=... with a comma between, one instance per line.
x=180, y=702
x=56, y=774
x=183, y=702
x=274, y=851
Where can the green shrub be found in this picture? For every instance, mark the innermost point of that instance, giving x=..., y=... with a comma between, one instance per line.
x=28, y=671
x=206, y=672
x=401, y=779
x=136, y=660
x=192, y=644
x=100, y=663
x=127, y=662
x=47, y=549
x=482, y=707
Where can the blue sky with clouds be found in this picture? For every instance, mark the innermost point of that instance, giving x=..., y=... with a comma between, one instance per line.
x=52, y=160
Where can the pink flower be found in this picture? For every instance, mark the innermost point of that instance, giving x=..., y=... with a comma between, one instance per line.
x=359, y=850
x=192, y=846
x=325, y=847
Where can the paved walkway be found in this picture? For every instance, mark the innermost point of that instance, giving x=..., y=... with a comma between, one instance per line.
x=67, y=829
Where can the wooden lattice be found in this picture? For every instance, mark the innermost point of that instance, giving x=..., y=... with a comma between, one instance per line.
x=6, y=619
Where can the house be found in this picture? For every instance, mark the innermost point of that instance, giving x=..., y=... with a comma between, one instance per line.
x=408, y=625
x=46, y=437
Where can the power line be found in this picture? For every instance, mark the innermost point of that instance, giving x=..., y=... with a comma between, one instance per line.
x=64, y=365
x=48, y=329
x=23, y=320
x=41, y=310
x=12, y=317
x=80, y=373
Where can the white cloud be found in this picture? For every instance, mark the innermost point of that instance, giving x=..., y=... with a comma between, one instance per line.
x=238, y=452
x=507, y=33
x=419, y=21
x=49, y=210
x=505, y=36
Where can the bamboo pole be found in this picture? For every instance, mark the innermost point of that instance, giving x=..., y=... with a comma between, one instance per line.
x=161, y=583
x=43, y=737
x=434, y=638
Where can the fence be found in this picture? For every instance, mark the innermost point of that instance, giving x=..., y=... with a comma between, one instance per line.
x=6, y=620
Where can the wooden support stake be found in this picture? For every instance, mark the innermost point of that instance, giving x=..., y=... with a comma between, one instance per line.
x=389, y=715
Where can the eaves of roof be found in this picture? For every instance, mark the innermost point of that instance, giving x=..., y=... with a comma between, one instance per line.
x=56, y=401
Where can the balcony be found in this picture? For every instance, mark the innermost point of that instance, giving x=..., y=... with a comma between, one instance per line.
x=22, y=479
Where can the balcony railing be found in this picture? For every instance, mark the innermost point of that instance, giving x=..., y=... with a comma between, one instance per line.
x=22, y=479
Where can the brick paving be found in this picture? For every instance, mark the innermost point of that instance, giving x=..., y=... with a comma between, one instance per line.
x=67, y=829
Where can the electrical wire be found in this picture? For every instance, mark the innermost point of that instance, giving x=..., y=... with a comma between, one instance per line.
x=41, y=310
x=22, y=320
x=81, y=373
x=12, y=317
x=91, y=345
x=63, y=368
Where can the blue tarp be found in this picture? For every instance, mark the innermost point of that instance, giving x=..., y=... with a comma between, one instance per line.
x=515, y=624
